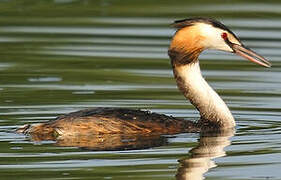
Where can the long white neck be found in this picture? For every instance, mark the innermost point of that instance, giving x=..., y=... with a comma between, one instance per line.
x=212, y=108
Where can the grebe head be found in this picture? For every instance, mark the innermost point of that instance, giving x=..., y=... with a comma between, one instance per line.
x=197, y=34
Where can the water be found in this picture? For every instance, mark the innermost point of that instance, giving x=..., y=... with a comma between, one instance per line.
x=61, y=56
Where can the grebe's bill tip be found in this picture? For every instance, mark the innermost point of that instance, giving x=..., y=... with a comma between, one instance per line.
x=250, y=55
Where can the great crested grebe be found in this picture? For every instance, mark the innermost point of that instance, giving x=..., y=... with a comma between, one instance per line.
x=193, y=36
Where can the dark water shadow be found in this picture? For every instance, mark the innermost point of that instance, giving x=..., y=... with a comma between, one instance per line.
x=211, y=145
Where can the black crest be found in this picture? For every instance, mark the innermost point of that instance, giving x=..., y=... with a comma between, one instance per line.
x=191, y=21
x=179, y=24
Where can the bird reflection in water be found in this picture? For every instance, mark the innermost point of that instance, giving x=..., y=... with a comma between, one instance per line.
x=211, y=145
x=105, y=142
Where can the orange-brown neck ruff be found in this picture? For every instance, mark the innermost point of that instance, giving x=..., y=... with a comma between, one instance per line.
x=185, y=46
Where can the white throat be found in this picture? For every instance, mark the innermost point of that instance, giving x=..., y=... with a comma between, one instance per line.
x=194, y=87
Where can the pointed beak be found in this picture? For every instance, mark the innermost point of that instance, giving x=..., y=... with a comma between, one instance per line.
x=250, y=55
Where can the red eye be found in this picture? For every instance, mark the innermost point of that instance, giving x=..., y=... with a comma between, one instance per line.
x=224, y=36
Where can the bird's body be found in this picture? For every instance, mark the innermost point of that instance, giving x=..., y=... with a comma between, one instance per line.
x=109, y=121
x=192, y=37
